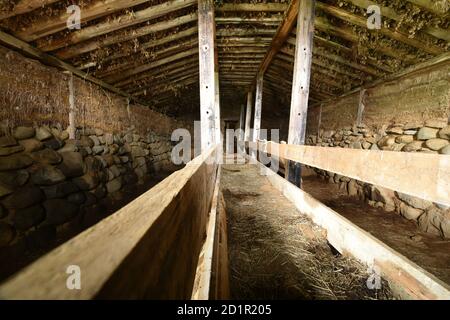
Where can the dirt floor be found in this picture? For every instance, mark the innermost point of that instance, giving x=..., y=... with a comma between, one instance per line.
x=430, y=252
x=277, y=253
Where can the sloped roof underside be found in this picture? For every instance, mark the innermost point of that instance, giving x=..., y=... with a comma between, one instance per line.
x=149, y=49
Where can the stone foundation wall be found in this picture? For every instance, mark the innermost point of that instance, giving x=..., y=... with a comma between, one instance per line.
x=49, y=182
x=431, y=136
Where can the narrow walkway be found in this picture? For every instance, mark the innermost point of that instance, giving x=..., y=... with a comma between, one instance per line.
x=276, y=252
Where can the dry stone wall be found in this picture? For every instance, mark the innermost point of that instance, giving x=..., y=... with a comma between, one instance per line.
x=431, y=136
x=48, y=181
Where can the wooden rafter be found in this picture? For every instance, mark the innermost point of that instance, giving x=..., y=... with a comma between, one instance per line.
x=117, y=23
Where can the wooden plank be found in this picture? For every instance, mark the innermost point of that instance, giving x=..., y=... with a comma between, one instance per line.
x=242, y=123
x=394, y=34
x=280, y=36
x=202, y=282
x=258, y=107
x=392, y=14
x=49, y=25
x=148, y=66
x=55, y=62
x=206, y=61
x=441, y=60
x=440, y=8
x=397, y=171
x=88, y=46
x=248, y=117
x=361, y=106
x=220, y=284
x=300, y=82
x=348, y=238
x=24, y=6
x=136, y=252
x=258, y=7
x=120, y=22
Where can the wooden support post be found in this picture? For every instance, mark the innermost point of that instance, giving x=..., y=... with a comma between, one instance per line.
x=300, y=82
x=72, y=126
x=206, y=61
x=218, y=133
x=248, y=116
x=361, y=107
x=258, y=107
x=242, y=123
x=319, y=123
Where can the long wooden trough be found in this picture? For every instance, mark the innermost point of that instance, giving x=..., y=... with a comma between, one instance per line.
x=407, y=279
x=149, y=249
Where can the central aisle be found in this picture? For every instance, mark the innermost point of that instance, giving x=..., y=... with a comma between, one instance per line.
x=276, y=252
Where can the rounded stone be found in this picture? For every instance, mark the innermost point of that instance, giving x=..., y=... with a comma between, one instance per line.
x=72, y=164
x=47, y=175
x=413, y=146
x=29, y=217
x=437, y=144
x=426, y=133
x=46, y=156
x=21, y=133
x=445, y=150
x=43, y=133
x=59, y=211
x=31, y=145
x=23, y=198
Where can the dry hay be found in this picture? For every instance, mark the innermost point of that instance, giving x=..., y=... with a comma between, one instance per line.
x=276, y=253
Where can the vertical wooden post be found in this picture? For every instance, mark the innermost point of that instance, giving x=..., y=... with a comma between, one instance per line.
x=361, y=107
x=241, y=123
x=217, y=134
x=206, y=62
x=72, y=126
x=320, y=120
x=258, y=106
x=300, y=82
x=248, y=116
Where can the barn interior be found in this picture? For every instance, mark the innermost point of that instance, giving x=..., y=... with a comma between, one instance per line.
x=226, y=149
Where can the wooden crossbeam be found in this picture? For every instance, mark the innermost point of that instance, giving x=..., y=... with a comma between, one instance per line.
x=88, y=46
x=393, y=34
x=392, y=14
x=162, y=69
x=24, y=6
x=397, y=171
x=121, y=22
x=137, y=59
x=280, y=36
x=151, y=65
x=256, y=7
x=50, y=25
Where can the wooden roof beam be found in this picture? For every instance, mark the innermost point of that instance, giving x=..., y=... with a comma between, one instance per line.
x=53, y=24
x=392, y=14
x=138, y=59
x=151, y=65
x=280, y=37
x=393, y=34
x=121, y=22
x=24, y=6
x=252, y=7
x=88, y=46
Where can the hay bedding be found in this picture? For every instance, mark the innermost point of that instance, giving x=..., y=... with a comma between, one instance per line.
x=277, y=253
